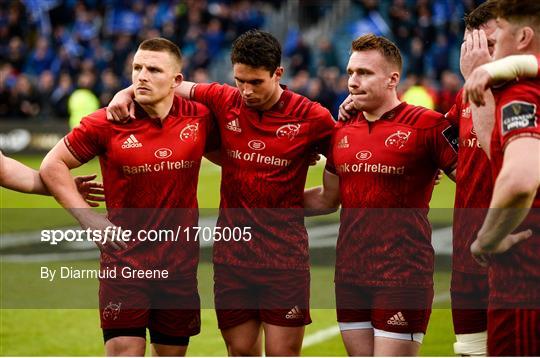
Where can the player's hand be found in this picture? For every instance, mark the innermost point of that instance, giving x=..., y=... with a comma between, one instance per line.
x=95, y=221
x=439, y=176
x=481, y=254
x=346, y=109
x=475, y=87
x=121, y=108
x=92, y=191
x=474, y=52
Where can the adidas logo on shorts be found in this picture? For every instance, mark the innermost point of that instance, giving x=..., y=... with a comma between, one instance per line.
x=131, y=142
x=234, y=126
x=397, y=320
x=294, y=313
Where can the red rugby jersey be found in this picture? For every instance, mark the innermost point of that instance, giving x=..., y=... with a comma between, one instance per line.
x=474, y=186
x=386, y=174
x=150, y=172
x=515, y=275
x=265, y=159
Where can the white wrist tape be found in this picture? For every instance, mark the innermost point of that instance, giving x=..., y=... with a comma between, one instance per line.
x=510, y=67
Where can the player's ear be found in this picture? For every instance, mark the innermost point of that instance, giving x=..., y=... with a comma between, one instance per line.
x=278, y=73
x=393, y=80
x=525, y=37
x=177, y=80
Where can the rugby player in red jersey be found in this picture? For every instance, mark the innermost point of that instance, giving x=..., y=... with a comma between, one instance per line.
x=514, y=268
x=268, y=135
x=149, y=163
x=381, y=166
x=469, y=286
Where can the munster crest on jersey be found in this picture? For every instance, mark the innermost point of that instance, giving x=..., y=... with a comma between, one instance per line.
x=189, y=133
x=518, y=115
x=289, y=131
x=397, y=140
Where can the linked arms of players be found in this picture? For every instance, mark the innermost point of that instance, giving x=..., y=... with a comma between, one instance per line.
x=121, y=107
x=54, y=172
x=513, y=195
x=323, y=199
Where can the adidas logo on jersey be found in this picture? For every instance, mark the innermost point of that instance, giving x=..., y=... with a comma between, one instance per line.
x=131, y=142
x=397, y=320
x=294, y=313
x=343, y=143
x=234, y=126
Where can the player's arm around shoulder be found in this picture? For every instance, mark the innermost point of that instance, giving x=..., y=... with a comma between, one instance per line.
x=213, y=139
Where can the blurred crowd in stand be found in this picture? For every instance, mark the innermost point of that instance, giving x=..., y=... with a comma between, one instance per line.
x=59, y=55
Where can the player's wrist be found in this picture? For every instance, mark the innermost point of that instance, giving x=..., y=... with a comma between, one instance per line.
x=512, y=67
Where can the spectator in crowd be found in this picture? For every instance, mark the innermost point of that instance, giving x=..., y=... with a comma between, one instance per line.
x=45, y=88
x=82, y=101
x=24, y=98
x=61, y=94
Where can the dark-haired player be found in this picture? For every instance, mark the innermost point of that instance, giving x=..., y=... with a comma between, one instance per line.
x=469, y=287
x=268, y=134
x=382, y=164
x=150, y=168
x=514, y=268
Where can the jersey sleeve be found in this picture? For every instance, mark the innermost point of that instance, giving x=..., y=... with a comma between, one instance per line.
x=213, y=95
x=87, y=140
x=442, y=142
x=517, y=114
x=454, y=113
x=321, y=129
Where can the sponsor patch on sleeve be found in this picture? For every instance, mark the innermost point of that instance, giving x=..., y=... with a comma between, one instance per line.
x=518, y=115
x=451, y=134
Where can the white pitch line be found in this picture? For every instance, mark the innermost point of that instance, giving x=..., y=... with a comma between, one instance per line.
x=320, y=336
x=332, y=331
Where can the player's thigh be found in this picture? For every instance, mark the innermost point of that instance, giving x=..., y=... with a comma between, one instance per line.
x=359, y=341
x=353, y=309
x=126, y=346
x=244, y=339
x=283, y=341
x=388, y=347
x=164, y=350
